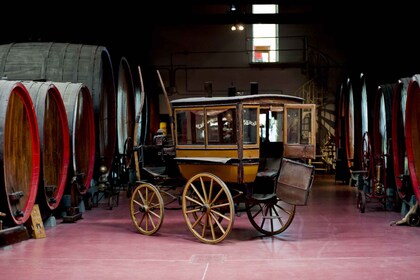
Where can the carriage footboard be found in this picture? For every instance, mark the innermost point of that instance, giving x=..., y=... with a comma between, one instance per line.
x=294, y=181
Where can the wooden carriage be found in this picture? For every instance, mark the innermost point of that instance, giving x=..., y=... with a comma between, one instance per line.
x=246, y=150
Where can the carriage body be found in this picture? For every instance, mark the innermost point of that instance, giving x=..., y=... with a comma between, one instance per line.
x=228, y=136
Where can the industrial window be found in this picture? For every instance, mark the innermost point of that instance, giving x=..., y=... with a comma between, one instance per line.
x=265, y=36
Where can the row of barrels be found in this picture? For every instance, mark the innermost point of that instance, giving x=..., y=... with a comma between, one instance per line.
x=61, y=116
x=47, y=133
x=382, y=121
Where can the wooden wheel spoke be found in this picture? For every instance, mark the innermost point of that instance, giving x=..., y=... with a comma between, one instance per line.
x=264, y=214
x=138, y=203
x=203, y=187
x=151, y=219
x=197, y=221
x=284, y=210
x=220, y=215
x=154, y=206
x=193, y=211
x=217, y=196
x=210, y=190
x=220, y=205
x=278, y=216
x=198, y=194
x=271, y=218
x=193, y=200
x=258, y=212
x=210, y=217
x=154, y=214
x=141, y=197
x=218, y=224
x=203, y=231
x=141, y=220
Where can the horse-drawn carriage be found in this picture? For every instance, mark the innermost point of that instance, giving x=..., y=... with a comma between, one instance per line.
x=228, y=154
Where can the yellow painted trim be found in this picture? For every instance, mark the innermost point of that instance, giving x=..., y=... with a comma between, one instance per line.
x=207, y=153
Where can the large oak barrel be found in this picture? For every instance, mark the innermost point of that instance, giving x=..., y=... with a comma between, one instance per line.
x=79, y=108
x=351, y=114
x=368, y=91
x=412, y=133
x=399, y=153
x=342, y=169
x=382, y=135
x=125, y=104
x=55, y=143
x=76, y=63
x=19, y=153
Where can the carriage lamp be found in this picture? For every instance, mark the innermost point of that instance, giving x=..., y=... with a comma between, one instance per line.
x=103, y=179
x=103, y=169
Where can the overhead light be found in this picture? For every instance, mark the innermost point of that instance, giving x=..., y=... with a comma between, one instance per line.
x=232, y=8
x=239, y=27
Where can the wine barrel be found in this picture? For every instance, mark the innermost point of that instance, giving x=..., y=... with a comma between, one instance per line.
x=342, y=172
x=382, y=135
x=125, y=104
x=399, y=153
x=55, y=143
x=368, y=89
x=412, y=133
x=140, y=107
x=19, y=153
x=80, y=115
x=77, y=63
x=351, y=114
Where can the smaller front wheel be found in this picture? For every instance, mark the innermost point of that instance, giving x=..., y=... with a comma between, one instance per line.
x=270, y=216
x=146, y=206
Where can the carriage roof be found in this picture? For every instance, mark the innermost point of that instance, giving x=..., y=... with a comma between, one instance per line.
x=263, y=99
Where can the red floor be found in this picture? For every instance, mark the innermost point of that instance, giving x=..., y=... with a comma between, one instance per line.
x=328, y=239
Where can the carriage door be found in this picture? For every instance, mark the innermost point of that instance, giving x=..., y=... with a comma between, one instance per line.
x=299, y=131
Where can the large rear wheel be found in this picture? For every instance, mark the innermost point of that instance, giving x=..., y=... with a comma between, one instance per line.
x=208, y=208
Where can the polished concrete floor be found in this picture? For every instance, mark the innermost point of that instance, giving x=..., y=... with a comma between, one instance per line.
x=328, y=239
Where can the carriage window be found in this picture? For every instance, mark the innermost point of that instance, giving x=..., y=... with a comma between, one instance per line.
x=293, y=117
x=250, y=125
x=299, y=126
x=190, y=127
x=276, y=126
x=299, y=133
x=273, y=120
x=221, y=126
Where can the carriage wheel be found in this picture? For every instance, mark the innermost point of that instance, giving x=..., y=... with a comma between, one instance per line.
x=271, y=216
x=208, y=208
x=128, y=152
x=361, y=201
x=146, y=206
